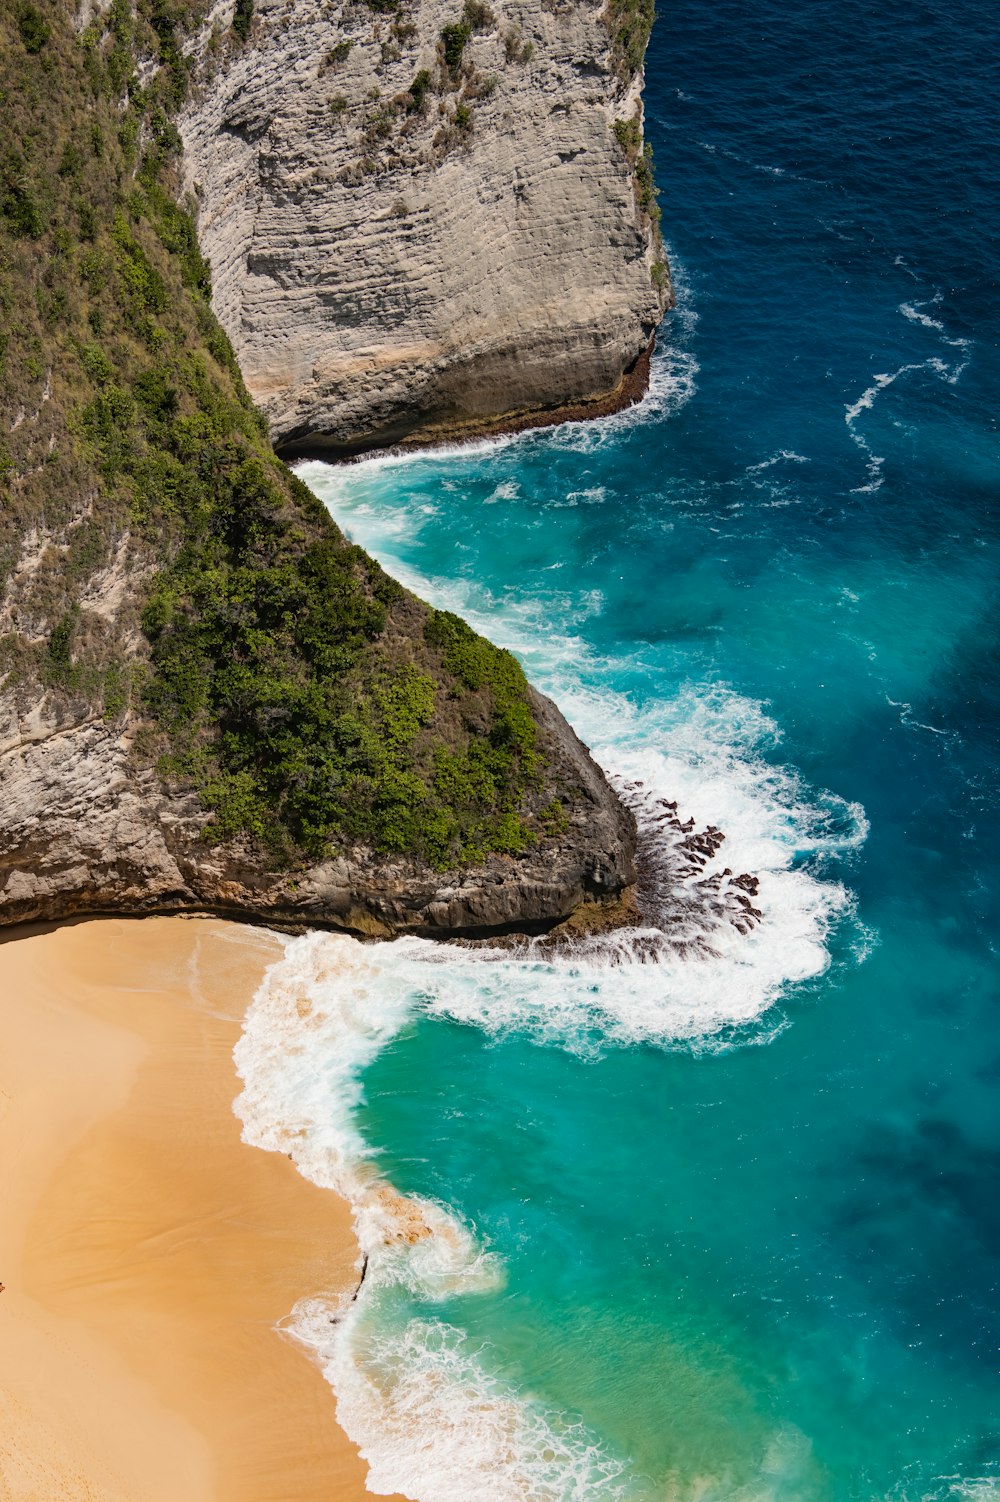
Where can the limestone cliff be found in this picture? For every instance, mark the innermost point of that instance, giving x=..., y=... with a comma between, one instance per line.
x=86, y=827
x=208, y=697
x=425, y=221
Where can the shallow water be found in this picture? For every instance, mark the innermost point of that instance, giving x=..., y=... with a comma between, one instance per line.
x=725, y=1225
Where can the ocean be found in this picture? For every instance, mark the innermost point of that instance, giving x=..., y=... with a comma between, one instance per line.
x=714, y=1217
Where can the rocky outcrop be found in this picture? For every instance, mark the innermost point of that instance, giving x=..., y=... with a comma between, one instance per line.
x=84, y=828
x=416, y=233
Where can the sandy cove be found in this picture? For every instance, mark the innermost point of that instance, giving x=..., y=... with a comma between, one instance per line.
x=147, y=1253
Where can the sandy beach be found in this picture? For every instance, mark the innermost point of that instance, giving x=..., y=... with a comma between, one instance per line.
x=146, y=1253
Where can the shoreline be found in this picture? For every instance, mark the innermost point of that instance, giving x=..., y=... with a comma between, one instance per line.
x=148, y=1254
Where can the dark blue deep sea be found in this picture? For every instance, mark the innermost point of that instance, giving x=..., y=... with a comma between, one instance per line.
x=745, y=1202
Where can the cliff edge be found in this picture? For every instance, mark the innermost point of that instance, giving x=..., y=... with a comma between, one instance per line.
x=426, y=221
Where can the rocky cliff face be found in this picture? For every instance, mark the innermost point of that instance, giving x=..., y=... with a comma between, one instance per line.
x=208, y=698
x=85, y=828
x=422, y=221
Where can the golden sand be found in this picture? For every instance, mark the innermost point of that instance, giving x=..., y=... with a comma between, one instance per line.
x=147, y=1253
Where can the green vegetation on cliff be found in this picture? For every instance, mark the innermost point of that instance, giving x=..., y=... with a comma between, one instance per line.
x=158, y=565
x=629, y=25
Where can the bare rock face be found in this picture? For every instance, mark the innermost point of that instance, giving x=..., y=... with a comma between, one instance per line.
x=416, y=236
x=84, y=829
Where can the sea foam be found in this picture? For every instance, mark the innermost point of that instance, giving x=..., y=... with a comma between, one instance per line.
x=948, y=370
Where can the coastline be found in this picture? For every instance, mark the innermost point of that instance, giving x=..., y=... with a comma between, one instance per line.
x=147, y=1252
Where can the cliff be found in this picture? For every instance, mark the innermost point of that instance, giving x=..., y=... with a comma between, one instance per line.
x=87, y=827
x=208, y=698
x=425, y=221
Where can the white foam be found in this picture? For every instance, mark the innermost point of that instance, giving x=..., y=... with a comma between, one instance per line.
x=976, y=1488
x=434, y=1422
x=949, y=371
x=947, y=1489
x=422, y=1405
x=783, y=456
x=672, y=384
x=912, y=311
x=507, y=490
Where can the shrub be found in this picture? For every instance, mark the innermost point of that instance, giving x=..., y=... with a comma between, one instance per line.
x=338, y=54
x=21, y=203
x=478, y=15
x=628, y=136
x=35, y=30
x=418, y=90
x=71, y=163
x=454, y=39
x=629, y=24
x=116, y=691
x=96, y=363
x=58, y=668
x=379, y=123
x=553, y=819
x=243, y=18
x=646, y=183
x=143, y=285
x=516, y=50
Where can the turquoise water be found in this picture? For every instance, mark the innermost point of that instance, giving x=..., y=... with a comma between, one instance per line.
x=742, y=1206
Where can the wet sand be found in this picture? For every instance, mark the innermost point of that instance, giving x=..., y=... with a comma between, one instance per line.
x=147, y=1253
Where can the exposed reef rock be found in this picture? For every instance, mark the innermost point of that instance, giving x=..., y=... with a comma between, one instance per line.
x=426, y=223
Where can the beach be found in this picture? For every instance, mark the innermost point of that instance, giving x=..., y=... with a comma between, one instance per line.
x=147, y=1254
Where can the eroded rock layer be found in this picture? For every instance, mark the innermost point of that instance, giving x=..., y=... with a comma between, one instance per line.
x=84, y=828
x=424, y=221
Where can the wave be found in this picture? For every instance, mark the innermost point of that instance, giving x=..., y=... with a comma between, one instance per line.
x=783, y=456
x=434, y=1422
x=733, y=847
x=949, y=371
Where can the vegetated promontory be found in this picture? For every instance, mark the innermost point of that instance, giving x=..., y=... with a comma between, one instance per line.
x=209, y=698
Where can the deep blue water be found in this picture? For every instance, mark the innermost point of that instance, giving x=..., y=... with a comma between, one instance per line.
x=749, y=1212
